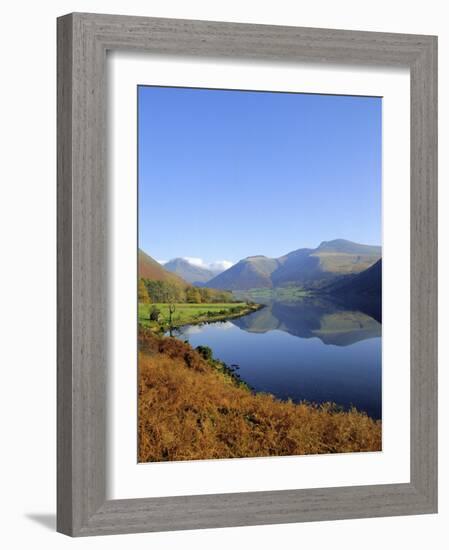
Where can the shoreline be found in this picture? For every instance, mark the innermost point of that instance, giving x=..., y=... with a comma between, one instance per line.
x=203, y=319
x=230, y=419
x=235, y=378
x=224, y=317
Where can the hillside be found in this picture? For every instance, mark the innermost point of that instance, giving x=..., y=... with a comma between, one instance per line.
x=369, y=282
x=151, y=269
x=252, y=272
x=348, y=247
x=188, y=271
x=310, y=268
x=362, y=291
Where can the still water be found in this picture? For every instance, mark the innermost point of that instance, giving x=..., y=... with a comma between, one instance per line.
x=310, y=350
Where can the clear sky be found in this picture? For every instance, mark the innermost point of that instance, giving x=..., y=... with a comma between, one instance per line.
x=229, y=174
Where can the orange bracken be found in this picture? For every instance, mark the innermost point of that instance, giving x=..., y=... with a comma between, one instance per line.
x=189, y=410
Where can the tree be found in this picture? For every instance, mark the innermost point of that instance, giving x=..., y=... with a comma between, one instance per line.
x=161, y=292
x=205, y=294
x=205, y=352
x=143, y=292
x=171, y=310
x=154, y=313
x=193, y=295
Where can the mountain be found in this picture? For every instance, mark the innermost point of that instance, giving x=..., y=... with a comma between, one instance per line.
x=252, y=272
x=151, y=269
x=311, y=268
x=362, y=291
x=189, y=272
x=368, y=283
x=343, y=246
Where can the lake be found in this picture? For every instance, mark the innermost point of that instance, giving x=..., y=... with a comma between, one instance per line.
x=311, y=349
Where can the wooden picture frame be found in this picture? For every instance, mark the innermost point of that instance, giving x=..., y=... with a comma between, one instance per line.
x=83, y=40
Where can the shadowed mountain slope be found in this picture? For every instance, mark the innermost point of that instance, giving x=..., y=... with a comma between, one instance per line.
x=362, y=291
x=369, y=282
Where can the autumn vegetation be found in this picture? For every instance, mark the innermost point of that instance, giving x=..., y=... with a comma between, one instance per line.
x=164, y=305
x=157, y=291
x=192, y=406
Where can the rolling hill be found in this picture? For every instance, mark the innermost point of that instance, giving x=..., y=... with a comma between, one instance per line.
x=310, y=268
x=151, y=269
x=189, y=272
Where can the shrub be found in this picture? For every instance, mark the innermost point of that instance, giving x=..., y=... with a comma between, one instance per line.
x=154, y=313
x=205, y=352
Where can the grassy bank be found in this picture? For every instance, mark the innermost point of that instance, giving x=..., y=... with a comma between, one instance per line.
x=186, y=314
x=191, y=407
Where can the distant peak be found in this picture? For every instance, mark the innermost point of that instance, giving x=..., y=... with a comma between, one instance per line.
x=349, y=247
x=334, y=242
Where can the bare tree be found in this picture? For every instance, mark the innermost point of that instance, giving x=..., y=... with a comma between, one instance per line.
x=171, y=310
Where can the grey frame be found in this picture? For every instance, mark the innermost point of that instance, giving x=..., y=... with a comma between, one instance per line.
x=83, y=40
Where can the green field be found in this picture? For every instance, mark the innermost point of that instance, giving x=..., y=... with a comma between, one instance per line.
x=186, y=314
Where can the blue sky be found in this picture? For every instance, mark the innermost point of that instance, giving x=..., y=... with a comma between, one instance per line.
x=228, y=174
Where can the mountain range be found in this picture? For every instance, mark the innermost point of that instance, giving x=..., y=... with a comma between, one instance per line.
x=191, y=272
x=311, y=268
x=330, y=266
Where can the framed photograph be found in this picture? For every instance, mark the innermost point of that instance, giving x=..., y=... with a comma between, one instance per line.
x=247, y=274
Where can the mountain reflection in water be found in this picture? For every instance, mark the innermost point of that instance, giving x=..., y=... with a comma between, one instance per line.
x=329, y=321
x=311, y=349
